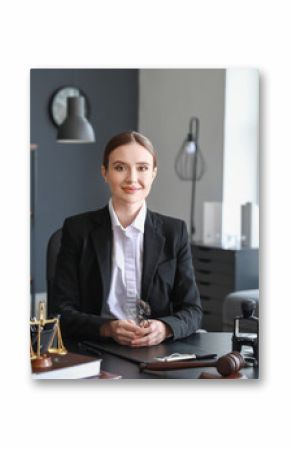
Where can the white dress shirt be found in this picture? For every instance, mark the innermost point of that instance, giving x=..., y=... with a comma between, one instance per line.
x=127, y=263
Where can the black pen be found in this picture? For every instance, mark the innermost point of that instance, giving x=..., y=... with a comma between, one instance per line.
x=205, y=356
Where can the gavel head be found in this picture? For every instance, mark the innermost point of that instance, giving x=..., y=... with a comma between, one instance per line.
x=230, y=363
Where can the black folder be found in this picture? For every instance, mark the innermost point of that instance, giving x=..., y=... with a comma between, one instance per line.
x=190, y=345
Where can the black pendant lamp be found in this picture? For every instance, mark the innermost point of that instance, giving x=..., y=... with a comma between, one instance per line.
x=76, y=128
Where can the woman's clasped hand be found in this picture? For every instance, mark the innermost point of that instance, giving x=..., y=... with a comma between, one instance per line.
x=127, y=332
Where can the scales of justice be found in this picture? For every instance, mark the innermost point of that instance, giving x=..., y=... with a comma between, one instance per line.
x=45, y=339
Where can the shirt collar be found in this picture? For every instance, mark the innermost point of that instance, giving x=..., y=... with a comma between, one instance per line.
x=138, y=223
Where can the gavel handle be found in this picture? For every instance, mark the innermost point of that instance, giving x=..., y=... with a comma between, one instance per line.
x=166, y=366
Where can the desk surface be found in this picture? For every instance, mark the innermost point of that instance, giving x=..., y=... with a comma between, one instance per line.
x=203, y=343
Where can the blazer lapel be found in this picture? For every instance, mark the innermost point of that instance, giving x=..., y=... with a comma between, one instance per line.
x=102, y=242
x=153, y=246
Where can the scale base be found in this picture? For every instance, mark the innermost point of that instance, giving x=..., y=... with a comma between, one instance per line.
x=43, y=361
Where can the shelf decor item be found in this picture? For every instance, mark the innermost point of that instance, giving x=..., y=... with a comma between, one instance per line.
x=190, y=165
x=250, y=225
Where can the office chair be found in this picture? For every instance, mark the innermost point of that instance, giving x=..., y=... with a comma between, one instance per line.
x=51, y=258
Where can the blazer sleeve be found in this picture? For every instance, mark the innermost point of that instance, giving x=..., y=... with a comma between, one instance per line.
x=186, y=307
x=75, y=323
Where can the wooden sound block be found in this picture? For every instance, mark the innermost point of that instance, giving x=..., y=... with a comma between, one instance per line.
x=237, y=376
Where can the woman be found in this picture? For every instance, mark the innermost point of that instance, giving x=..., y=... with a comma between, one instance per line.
x=111, y=258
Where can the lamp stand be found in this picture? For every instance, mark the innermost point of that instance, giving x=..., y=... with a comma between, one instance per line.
x=192, y=224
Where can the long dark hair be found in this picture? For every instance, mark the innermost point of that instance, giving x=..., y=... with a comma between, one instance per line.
x=125, y=138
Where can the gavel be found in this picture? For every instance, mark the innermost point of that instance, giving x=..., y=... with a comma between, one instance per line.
x=227, y=365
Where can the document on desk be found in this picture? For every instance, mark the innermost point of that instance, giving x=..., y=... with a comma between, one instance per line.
x=149, y=353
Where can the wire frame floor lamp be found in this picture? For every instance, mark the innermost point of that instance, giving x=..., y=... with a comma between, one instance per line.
x=190, y=165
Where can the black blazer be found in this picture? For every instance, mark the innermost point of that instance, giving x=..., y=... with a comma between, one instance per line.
x=83, y=272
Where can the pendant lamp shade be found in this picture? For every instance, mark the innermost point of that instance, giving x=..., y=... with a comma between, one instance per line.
x=76, y=128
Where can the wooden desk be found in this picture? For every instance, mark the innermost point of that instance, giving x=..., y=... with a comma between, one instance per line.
x=211, y=342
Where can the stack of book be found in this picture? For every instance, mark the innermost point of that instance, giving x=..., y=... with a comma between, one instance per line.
x=73, y=366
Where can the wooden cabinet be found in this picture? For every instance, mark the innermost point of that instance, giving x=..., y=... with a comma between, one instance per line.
x=220, y=271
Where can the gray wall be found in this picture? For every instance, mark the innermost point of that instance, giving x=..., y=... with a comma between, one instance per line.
x=67, y=176
x=168, y=98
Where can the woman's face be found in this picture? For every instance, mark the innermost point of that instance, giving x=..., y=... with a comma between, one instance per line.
x=130, y=173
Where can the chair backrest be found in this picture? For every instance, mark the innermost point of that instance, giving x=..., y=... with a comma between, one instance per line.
x=51, y=258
